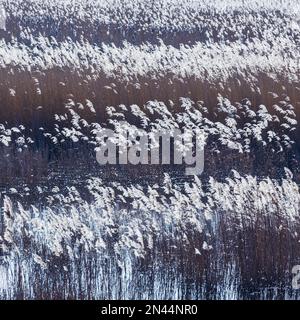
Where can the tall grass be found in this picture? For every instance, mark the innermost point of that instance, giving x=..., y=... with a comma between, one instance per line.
x=25, y=105
x=236, y=239
x=69, y=69
x=138, y=22
x=249, y=138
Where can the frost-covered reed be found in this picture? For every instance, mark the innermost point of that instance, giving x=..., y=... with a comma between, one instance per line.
x=160, y=242
x=250, y=138
x=175, y=21
x=69, y=69
x=130, y=63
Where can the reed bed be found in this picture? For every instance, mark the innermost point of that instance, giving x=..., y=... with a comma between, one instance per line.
x=193, y=242
x=70, y=229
